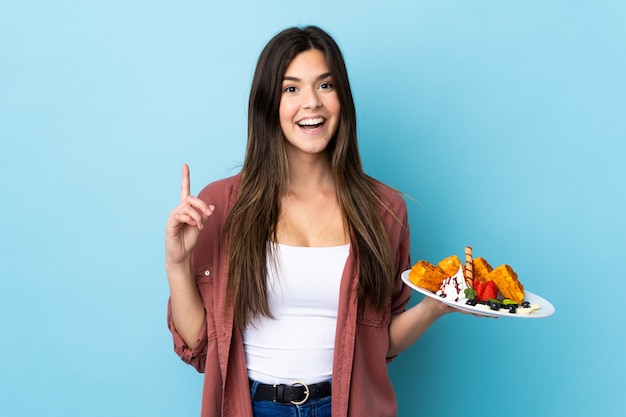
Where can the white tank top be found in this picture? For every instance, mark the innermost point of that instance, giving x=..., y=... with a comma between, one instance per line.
x=303, y=296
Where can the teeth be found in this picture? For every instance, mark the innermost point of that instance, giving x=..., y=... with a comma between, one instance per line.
x=311, y=122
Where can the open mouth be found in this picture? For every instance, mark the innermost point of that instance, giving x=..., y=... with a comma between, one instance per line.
x=311, y=124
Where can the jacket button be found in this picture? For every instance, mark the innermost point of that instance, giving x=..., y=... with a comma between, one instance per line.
x=207, y=273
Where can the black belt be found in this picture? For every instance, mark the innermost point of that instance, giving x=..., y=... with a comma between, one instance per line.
x=296, y=393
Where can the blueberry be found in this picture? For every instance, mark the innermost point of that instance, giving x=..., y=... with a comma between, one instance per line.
x=512, y=308
x=471, y=302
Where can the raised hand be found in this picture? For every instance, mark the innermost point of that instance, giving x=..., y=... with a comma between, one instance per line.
x=184, y=225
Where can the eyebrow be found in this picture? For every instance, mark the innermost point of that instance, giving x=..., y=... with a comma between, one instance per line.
x=321, y=77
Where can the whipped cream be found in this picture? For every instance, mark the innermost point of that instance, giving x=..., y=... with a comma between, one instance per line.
x=453, y=288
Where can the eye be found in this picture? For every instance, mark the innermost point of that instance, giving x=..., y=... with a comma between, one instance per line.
x=289, y=89
x=326, y=86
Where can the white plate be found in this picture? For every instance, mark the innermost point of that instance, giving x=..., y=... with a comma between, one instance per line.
x=546, y=310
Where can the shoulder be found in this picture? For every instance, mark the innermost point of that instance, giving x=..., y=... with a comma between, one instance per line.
x=391, y=198
x=221, y=191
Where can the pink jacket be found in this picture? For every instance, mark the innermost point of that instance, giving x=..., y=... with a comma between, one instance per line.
x=361, y=384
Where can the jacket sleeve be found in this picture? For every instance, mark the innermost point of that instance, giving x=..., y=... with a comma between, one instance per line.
x=402, y=292
x=195, y=357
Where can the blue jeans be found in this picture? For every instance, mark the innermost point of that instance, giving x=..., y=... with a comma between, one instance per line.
x=319, y=407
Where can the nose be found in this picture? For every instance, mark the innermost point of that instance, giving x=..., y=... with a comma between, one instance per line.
x=310, y=99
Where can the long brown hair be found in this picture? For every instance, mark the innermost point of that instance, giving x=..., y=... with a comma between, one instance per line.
x=252, y=222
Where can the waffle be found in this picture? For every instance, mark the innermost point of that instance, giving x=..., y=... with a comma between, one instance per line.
x=482, y=269
x=426, y=275
x=507, y=282
x=450, y=265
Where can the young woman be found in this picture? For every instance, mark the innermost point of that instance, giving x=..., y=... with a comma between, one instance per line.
x=285, y=279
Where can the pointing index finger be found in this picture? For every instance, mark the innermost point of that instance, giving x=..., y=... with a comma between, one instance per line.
x=185, y=186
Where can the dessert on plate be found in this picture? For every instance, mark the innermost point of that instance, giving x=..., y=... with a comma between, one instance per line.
x=476, y=283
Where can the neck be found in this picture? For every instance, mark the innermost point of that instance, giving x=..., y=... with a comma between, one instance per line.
x=310, y=173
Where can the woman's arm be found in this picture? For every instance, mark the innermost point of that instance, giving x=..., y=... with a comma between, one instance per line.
x=407, y=327
x=181, y=235
x=188, y=313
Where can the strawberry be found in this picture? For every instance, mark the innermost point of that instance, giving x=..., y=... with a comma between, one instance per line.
x=479, y=287
x=490, y=291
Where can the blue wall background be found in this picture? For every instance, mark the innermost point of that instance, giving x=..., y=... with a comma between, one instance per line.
x=503, y=120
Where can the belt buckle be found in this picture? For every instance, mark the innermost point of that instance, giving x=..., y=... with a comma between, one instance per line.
x=306, y=392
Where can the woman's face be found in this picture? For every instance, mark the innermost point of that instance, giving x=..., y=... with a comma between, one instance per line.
x=309, y=107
